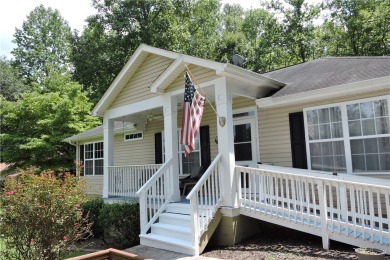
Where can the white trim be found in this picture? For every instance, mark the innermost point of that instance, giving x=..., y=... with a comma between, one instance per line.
x=249, y=77
x=136, y=107
x=364, y=86
x=163, y=80
x=93, y=159
x=346, y=137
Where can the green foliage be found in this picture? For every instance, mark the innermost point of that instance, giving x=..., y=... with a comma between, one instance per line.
x=123, y=220
x=43, y=44
x=40, y=216
x=92, y=208
x=119, y=27
x=11, y=84
x=34, y=126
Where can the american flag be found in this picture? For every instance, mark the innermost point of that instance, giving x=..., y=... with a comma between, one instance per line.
x=192, y=115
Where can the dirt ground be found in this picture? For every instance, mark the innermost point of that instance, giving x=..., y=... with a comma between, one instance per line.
x=278, y=243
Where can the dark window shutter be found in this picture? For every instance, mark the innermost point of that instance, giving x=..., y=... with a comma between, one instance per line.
x=205, y=146
x=298, y=143
x=158, y=152
x=82, y=158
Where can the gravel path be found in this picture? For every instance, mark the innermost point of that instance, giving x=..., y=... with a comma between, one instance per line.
x=277, y=243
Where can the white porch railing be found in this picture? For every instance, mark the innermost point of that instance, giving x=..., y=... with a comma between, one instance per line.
x=154, y=195
x=125, y=181
x=205, y=199
x=333, y=207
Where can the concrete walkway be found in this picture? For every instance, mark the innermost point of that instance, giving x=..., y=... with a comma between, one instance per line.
x=159, y=254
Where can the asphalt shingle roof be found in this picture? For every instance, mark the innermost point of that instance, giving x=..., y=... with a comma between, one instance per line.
x=328, y=72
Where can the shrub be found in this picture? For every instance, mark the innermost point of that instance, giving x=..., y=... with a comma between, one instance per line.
x=40, y=216
x=122, y=220
x=92, y=209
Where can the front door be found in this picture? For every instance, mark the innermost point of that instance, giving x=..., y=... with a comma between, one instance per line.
x=245, y=141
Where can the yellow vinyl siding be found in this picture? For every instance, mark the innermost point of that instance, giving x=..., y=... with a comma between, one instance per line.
x=274, y=129
x=138, y=88
x=94, y=184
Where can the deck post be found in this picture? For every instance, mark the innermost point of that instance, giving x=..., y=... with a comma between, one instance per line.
x=323, y=214
x=223, y=100
x=171, y=142
x=108, y=150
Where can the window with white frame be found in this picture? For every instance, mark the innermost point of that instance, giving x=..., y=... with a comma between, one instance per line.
x=93, y=159
x=134, y=136
x=349, y=137
x=193, y=159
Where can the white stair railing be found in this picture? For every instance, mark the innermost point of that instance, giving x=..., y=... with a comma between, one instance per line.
x=205, y=199
x=125, y=181
x=350, y=210
x=154, y=195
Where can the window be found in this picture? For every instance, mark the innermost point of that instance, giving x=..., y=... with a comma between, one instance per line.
x=349, y=137
x=134, y=136
x=93, y=159
x=193, y=159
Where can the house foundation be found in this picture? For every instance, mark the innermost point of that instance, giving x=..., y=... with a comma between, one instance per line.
x=234, y=228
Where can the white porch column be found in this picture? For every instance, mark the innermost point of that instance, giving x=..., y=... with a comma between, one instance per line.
x=108, y=150
x=223, y=100
x=171, y=141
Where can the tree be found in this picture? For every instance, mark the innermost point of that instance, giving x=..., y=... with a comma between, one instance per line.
x=34, y=126
x=298, y=27
x=43, y=44
x=11, y=84
x=363, y=25
x=265, y=37
x=119, y=27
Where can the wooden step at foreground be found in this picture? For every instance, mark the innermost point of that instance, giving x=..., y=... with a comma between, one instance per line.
x=175, y=219
x=167, y=243
x=172, y=231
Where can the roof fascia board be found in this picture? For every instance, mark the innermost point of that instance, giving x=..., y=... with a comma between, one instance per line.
x=97, y=110
x=162, y=81
x=203, y=63
x=249, y=77
x=326, y=93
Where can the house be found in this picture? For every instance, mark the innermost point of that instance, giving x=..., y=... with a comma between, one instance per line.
x=306, y=147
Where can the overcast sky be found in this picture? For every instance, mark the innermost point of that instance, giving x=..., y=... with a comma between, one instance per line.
x=14, y=12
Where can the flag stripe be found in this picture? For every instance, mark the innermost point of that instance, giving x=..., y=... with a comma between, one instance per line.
x=192, y=115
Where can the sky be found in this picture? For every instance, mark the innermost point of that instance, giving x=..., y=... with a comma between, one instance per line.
x=14, y=12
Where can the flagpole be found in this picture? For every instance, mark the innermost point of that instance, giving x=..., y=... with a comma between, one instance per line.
x=200, y=88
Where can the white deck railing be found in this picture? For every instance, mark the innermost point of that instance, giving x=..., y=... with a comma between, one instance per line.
x=154, y=195
x=125, y=181
x=205, y=199
x=333, y=207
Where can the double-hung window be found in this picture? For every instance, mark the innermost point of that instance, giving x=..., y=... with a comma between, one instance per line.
x=349, y=137
x=193, y=159
x=93, y=159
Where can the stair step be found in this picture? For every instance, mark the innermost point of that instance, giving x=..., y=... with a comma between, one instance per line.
x=175, y=219
x=172, y=231
x=178, y=208
x=168, y=243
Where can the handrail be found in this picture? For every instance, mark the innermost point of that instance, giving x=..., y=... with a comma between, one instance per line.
x=352, y=212
x=126, y=180
x=205, y=199
x=160, y=171
x=134, y=165
x=154, y=196
x=204, y=177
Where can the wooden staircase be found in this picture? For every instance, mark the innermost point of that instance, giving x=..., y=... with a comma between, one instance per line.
x=173, y=230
